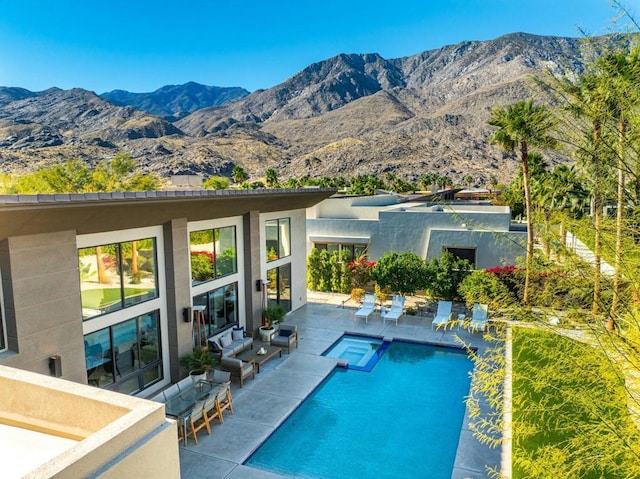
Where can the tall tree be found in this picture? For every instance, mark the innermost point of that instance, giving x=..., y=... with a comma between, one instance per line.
x=621, y=73
x=520, y=126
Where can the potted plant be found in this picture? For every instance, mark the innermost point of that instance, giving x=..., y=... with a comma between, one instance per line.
x=272, y=315
x=198, y=362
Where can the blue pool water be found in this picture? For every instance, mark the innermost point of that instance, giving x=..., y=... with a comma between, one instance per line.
x=401, y=420
x=360, y=352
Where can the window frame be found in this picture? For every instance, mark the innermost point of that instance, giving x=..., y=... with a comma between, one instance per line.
x=208, y=312
x=269, y=223
x=214, y=266
x=341, y=246
x=125, y=302
x=140, y=372
x=159, y=303
x=462, y=248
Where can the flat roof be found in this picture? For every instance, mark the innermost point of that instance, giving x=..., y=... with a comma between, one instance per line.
x=67, y=198
x=97, y=212
x=29, y=449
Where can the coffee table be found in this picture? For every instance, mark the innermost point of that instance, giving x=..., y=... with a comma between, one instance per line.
x=259, y=359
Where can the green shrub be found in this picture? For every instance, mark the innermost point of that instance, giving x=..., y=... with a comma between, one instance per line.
x=483, y=287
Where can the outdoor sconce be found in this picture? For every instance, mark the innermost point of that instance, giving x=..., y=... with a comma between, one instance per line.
x=186, y=315
x=55, y=365
x=260, y=283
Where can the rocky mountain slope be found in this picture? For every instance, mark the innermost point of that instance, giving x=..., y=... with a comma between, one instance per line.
x=350, y=114
x=173, y=102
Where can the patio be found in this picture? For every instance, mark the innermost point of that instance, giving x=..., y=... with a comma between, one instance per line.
x=283, y=383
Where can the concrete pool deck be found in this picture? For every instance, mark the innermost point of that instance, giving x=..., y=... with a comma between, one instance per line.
x=283, y=383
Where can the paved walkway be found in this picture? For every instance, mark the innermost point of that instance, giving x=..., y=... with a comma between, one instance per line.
x=283, y=383
x=579, y=248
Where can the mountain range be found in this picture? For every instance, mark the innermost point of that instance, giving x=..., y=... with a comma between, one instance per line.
x=349, y=114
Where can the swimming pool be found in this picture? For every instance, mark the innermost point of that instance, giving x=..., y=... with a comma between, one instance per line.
x=360, y=352
x=403, y=419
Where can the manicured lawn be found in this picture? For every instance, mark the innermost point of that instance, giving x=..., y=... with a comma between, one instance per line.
x=570, y=416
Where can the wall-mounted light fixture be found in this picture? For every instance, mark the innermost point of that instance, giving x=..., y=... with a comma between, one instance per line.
x=187, y=314
x=55, y=365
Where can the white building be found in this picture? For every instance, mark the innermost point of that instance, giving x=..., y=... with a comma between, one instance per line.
x=481, y=233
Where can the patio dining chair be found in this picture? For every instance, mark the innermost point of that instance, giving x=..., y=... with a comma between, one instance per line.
x=198, y=420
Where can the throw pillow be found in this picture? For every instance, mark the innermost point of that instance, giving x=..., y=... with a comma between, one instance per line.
x=225, y=340
x=214, y=344
x=237, y=333
x=285, y=332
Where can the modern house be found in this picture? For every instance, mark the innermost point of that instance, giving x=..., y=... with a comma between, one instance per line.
x=382, y=223
x=99, y=288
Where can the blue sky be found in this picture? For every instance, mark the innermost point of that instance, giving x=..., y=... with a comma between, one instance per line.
x=141, y=45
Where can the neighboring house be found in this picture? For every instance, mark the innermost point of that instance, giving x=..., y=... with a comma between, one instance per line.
x=380, y=224
x=106, y=281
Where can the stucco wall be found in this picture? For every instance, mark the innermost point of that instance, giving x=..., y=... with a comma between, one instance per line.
x=422, y=229
x=492, y=248
x=41, y=287
x=117, y=436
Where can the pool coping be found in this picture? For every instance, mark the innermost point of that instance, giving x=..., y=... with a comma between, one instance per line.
x=290, y=380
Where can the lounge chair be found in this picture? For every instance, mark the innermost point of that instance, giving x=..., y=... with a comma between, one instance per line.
x=286, y=337
x=239, y=369
x=395, y=311
x=368, y=307
x=479, y=317
x=443, y=314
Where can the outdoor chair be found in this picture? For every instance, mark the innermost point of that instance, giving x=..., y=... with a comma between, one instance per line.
x=185, y=383
x=443, y=314
x=479, y=318
x=198, y=420
x=239, y=369
x=182, y=421
x=224, y=400
x=286, y=336
x=219, y=401
x=395, y=311
x=171, y=391
x=210, y=409
x=159, y=398
x=220, y=377
x=368, y=307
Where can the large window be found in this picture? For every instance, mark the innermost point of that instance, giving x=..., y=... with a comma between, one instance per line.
x=279, y=286
x=220, y=311
x=278, y=238
x=463, y=253
x=213, y=254
x=355, y=250
x=117, y=275
x=125, y=357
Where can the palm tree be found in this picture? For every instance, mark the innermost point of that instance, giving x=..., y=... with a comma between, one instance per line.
x=427, y=180
x=520, y=126
x=468, y=180
x=238, y=174
x=564, y=192
x=587, y=101
x=271, y=177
